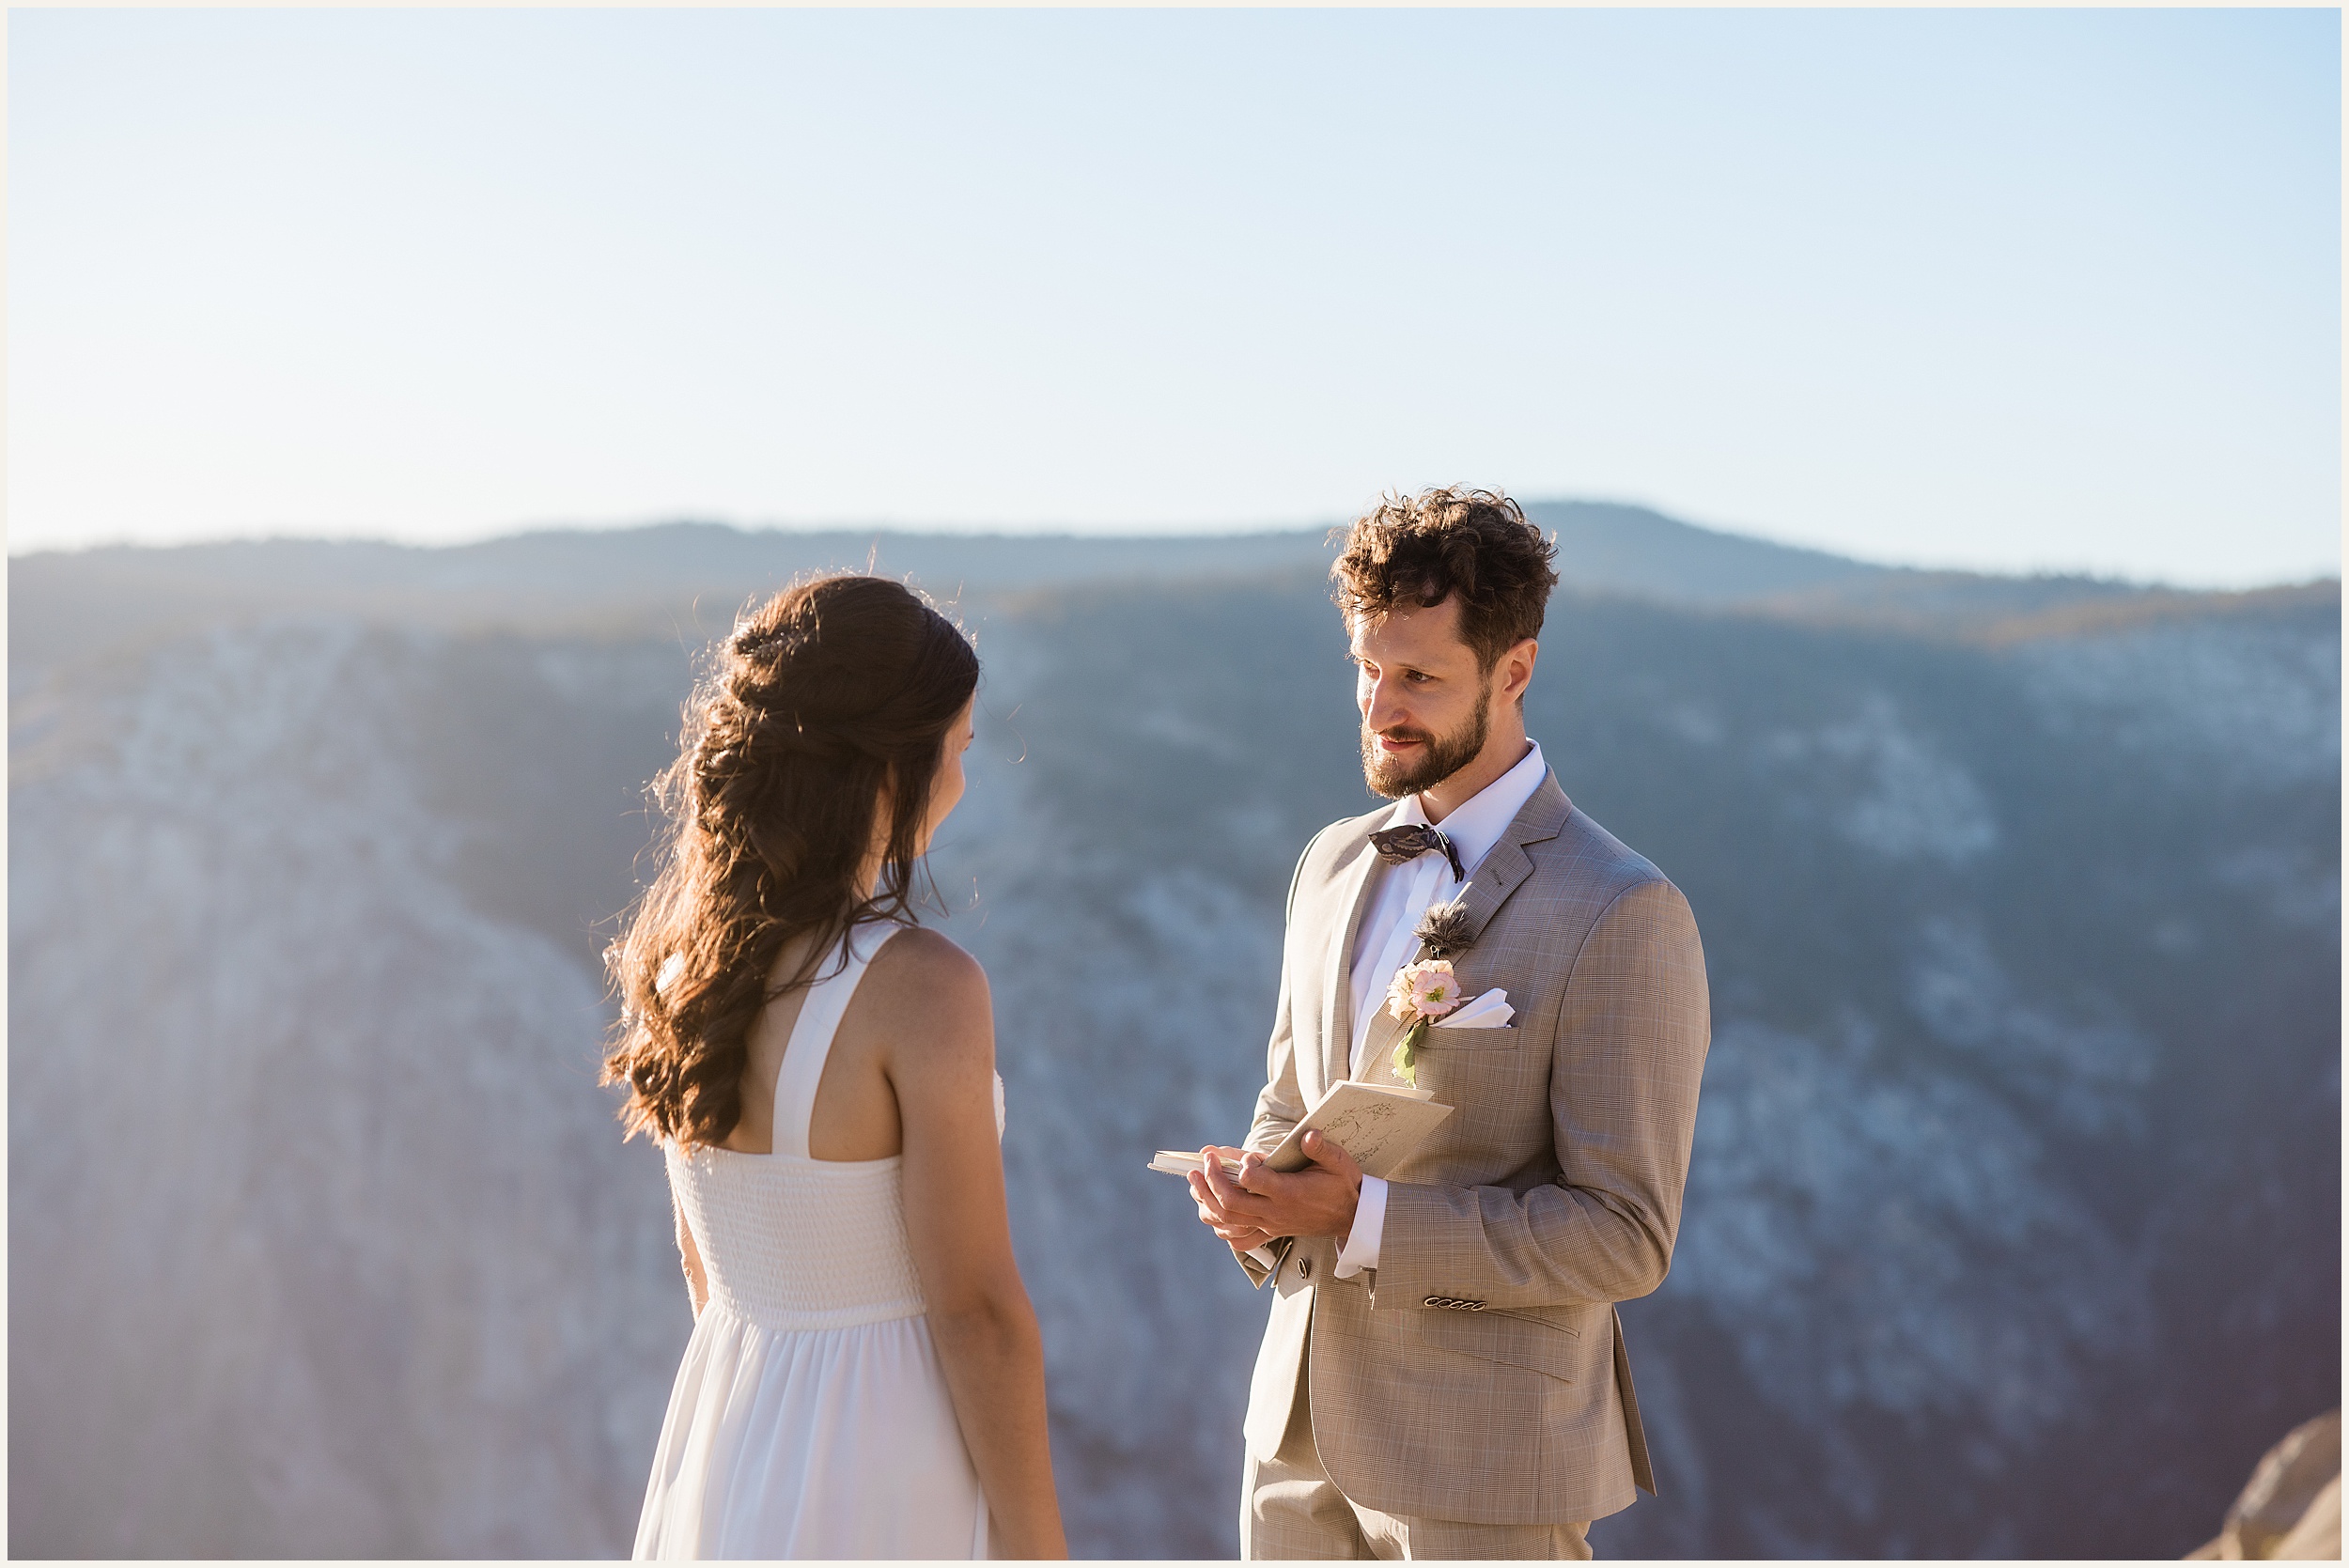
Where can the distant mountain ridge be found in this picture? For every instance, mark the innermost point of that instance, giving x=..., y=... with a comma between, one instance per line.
x=691, y=574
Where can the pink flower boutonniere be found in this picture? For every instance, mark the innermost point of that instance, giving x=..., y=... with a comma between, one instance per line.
x=1418, y=995
x=1426, y=989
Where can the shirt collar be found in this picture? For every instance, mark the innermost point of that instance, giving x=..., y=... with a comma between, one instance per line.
x=1478, y=823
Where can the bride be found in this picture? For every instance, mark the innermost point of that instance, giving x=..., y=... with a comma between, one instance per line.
x=865, y=1378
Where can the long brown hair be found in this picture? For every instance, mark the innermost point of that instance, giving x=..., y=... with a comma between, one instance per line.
x=827, y=693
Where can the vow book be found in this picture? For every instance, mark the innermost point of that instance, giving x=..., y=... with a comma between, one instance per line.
x=1378, y=1124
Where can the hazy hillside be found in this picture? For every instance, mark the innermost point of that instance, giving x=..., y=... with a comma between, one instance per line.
x=685, y=579
x=2014, y=1225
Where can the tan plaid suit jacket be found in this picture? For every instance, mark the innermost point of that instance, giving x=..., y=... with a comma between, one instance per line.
x=1479, y=1374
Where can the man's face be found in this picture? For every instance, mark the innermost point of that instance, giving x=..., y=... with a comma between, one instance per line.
x=1426, y=708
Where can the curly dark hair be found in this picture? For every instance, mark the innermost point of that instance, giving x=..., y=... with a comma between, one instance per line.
x=827, y=693
x=1420, y=550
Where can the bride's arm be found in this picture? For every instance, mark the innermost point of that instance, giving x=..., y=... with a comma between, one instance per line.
x=941, y=1062
x=697, y=1282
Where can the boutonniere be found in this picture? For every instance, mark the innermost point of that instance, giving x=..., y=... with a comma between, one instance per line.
x=1425, y=993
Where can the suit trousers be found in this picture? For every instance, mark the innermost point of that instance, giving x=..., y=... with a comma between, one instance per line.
x=1289, y=1508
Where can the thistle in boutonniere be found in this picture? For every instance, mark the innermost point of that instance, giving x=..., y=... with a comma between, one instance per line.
x=1444, y=930
x=1425, y=990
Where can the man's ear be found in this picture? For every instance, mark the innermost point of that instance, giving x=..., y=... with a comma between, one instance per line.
x=1516, y=669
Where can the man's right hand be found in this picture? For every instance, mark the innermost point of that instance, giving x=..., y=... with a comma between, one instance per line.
x=1319, y=1200
x=1212, y=1192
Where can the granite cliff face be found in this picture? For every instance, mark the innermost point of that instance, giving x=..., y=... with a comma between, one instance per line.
x=2016, y=1177
x=323, y=1243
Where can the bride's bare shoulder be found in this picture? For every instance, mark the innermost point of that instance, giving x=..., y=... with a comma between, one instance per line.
x=928, y=984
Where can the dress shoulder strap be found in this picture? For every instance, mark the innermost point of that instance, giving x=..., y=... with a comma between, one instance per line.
x=810, y=1046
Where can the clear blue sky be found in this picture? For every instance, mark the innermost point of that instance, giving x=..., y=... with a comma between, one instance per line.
x=2005, y=289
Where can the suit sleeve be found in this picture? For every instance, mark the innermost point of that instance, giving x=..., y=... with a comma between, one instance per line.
x=1279, y=1106
x=1627, y=1058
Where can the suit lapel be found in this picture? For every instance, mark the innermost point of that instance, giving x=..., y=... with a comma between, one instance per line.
x=1379, y=1048
x=1338, y=1001
x=1541, y=817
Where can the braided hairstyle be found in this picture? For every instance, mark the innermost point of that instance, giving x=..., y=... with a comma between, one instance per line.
x=832, y=696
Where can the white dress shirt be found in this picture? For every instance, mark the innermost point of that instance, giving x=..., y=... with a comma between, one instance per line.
x=1398, y=895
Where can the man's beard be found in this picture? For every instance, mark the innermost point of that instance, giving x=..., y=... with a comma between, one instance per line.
x=1438, y=759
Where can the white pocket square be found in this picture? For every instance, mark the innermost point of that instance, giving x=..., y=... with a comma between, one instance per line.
x=1489, y=1011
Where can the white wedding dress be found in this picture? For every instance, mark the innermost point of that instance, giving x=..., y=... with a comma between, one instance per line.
x=810, y=1417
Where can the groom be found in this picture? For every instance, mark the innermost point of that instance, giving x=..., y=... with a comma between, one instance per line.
x=1444, y=1375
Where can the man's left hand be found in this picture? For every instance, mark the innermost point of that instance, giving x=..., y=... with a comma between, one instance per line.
x=1317, y=1201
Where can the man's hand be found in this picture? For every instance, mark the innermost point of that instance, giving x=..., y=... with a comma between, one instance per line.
x=1243, y=1234
x=1263, y=1203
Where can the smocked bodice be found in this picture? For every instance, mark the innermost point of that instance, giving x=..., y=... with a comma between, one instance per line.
x=790, y=1243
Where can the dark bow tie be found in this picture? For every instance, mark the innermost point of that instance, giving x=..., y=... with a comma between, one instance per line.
x=1398, y=844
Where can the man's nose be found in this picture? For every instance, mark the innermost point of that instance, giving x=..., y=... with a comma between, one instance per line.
x=1384, y=706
